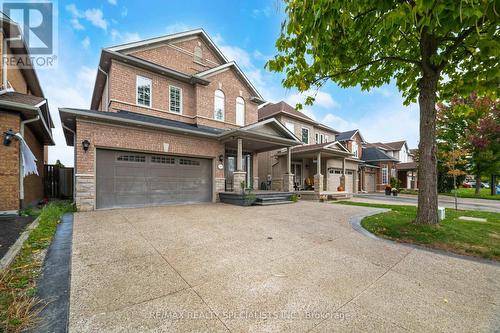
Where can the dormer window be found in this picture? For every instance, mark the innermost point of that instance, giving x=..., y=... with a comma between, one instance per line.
x=219, y=105
x=198, y=54
x=355, y=150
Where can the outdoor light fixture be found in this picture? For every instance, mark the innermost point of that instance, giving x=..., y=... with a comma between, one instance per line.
x=86, y=145
x=8, y=136
x=221, y=158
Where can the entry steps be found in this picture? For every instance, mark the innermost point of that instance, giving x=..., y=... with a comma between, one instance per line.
x=274, y=199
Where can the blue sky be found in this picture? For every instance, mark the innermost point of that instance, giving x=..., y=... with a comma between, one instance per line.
x=244, y=30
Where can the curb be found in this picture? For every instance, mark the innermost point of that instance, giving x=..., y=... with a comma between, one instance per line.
x=355, y=223
x=9, y=257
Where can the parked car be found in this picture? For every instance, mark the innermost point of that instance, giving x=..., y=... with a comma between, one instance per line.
x=498, y=189
x=473, y=184
x=466, y=185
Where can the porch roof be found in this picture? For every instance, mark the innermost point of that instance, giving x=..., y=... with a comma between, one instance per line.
x=327, y=149
x=406, y=166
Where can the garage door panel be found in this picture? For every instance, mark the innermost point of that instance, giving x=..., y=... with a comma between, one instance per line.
x=127, y=179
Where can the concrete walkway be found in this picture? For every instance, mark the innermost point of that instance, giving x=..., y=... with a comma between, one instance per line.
x=444, y=201
x=290, y=268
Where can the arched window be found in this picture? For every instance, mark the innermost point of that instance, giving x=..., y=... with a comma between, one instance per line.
x=240, y=111
x=198, y=54
x=219, y=105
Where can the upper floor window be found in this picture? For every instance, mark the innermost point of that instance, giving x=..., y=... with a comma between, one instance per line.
x=355, y=149
x=240, y=111
x=326, y=138
x=305, y=135
x=144, y=92
x=198, y=54
x=219, y=105
x=175, y=99
x=290, y=126
x=317, y=137
x=321, y=138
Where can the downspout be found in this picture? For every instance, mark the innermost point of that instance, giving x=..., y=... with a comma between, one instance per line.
x=21, y=166
x=106, y=87
x=74, y=159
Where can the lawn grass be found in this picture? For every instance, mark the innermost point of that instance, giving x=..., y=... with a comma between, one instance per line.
x=485, y=193
x=18, y=304
x=481, y=239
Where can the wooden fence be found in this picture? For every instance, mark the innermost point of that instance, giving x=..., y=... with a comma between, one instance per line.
x=58, y=183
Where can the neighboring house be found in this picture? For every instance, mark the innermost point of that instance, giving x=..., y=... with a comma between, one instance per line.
x=391, y=159
x=23, y=110
x=171, y=121
x=321, y=164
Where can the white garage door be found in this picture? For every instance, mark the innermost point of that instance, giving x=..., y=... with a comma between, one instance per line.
x=333, y=180
x=349, y=179
x=131, y=179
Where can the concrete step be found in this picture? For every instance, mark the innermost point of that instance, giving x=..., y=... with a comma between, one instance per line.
x=268, y=199
x=270, y=203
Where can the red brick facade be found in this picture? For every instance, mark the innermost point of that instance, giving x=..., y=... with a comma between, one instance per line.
x=9, y=164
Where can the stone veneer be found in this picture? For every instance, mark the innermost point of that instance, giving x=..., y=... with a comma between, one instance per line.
x=85, y=192
x=288, y=182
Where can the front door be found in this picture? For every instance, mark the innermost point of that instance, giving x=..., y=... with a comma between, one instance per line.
x=246, y=164
x=297, y=174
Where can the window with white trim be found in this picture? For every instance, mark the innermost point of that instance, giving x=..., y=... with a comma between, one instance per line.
x=219, y=105
x=290, y=126
x=240, y=111
x=326, y=138
x=321, y=138
x=305, y=135
x=175, y=99
x=355, y=149
x=316, y=136
x=385, y=176
x=143, y=90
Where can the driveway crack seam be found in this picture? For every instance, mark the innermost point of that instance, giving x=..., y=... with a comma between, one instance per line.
x=177, y=272
x=365, y=289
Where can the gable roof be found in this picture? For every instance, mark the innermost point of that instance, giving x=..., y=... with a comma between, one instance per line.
x=348, y=135
x=212, y=71
x=155, y=40
x=372, y=154
x=379, y=145
x=270, y=110
x=396, y=145
x=335, y=145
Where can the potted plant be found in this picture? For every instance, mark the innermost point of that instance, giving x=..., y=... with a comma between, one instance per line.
x=340, y=188
x=395, y=192
x=388, y=189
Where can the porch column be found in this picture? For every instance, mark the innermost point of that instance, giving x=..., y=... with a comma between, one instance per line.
x=318, y=177
x=342, y=178
x=239, y=175
x=288, y=185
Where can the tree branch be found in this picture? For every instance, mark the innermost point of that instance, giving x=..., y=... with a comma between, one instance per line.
x=457, y=42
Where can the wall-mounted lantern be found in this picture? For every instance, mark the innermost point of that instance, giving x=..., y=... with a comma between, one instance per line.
x=85, y=145
x=8, y=136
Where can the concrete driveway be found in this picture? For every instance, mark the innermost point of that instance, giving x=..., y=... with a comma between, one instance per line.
x=291, y=268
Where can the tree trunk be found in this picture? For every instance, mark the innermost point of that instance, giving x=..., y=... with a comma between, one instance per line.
x=427, y=165
x=493, y=187
x=478, y=185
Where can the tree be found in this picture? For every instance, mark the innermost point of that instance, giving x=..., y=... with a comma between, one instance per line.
x=415, y=42
x=454, y=160
x=471, y=124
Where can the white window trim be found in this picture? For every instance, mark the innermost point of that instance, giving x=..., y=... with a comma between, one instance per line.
x=355, y=152
x=137, y=91
x=244, y=111
x=180, y=105
x=288, y=125
x=308, y=134
x=223, y=104
x=386, y=169
x=326, y=138
x=321, y=137
x=316, y=137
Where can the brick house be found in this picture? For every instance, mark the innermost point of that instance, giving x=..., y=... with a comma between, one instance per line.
x=171, y=121
x=391, y=159
x=319, y=166
x=23, y=110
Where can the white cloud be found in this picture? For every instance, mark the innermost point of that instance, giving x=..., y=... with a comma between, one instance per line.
x=391, y=122
x=267, y=11
x=237, y=54
x=323, y=99
x=124, y=37
x=93, y=15
x=86, y=42
x=75, y=23
x=96, y=17
x=124, y=12
x=112, y=2
x=177, y=27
